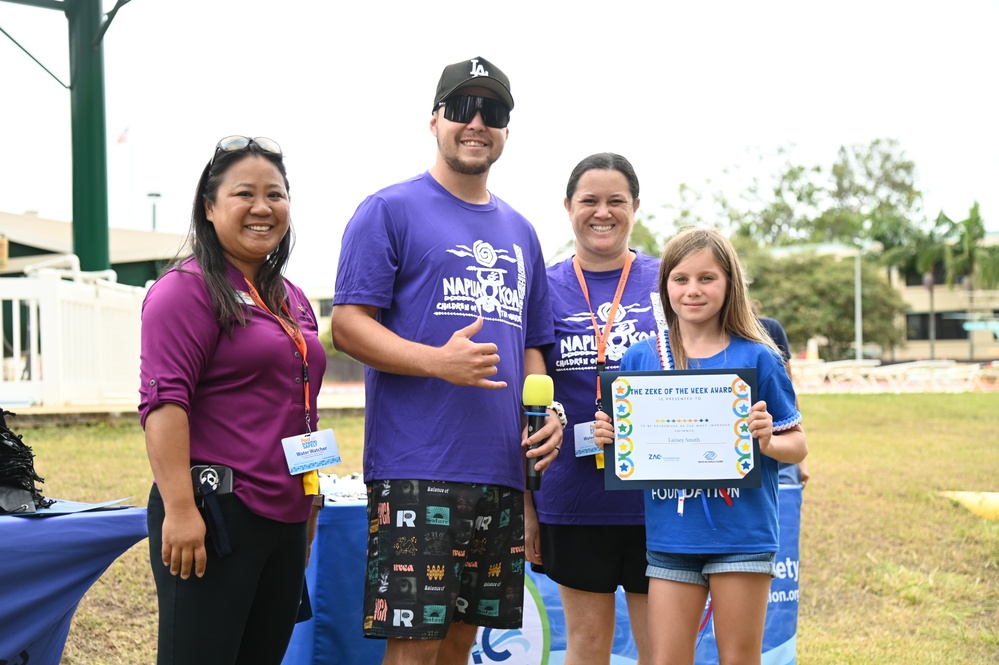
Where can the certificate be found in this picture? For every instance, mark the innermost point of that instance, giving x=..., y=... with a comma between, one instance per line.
x=682, y=429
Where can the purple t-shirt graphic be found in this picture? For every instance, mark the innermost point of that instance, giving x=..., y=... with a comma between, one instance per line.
x=432, y=263
x=573, y=488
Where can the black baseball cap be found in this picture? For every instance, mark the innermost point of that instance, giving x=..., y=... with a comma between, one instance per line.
x=476, y=71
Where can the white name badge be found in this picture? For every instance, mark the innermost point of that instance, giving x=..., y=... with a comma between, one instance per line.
x=314, y=450
x=585, y=442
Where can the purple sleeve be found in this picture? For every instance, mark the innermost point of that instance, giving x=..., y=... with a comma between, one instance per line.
x=368, y=258
x=540, y=330
x=179, y=335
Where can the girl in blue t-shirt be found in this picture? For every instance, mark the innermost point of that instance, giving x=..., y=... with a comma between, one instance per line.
x=718, y=541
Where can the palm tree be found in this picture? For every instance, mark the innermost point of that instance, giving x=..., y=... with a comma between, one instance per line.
x=930, y=251
x=967, y=256
x=921, y=256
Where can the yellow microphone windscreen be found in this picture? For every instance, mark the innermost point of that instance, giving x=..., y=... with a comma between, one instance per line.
x=538, y=390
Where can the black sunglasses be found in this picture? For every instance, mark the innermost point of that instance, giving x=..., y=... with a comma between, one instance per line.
x=234, y=143
x=463, y=108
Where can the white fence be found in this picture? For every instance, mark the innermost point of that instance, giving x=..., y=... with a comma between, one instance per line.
x=859, y=376
x=72, y=339
x=69, y=338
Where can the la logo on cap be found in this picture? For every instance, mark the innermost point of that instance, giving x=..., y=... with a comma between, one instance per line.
x=477, y=69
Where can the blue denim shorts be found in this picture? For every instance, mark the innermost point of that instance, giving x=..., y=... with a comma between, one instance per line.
x=695, y=568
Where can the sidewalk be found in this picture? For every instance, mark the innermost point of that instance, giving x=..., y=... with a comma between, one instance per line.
x=340, y=398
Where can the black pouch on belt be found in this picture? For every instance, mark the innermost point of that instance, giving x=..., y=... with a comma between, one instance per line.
x=209, y=482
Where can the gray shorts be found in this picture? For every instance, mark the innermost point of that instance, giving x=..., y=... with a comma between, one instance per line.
x=696, y=568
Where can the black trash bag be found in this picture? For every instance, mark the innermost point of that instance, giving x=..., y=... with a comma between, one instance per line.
x=15, y=500
x=18, y=493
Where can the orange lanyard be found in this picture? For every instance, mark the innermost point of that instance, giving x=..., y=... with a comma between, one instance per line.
x=296, y=336
x=601, y=338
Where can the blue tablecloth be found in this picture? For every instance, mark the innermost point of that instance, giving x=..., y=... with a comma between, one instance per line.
x=336, y=587
x=46, y=566
x=336, y=583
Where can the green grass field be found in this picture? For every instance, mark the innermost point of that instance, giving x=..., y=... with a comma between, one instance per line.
x=891, y=572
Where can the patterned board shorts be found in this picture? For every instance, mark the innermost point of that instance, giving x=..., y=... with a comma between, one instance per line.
x=442, y=552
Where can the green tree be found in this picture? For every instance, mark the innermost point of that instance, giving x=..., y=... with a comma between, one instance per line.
x=775, y=208
x=867, y=193
x=643, y=237
x=967, y=257
x=812, y=296
x=956, y=246
x=925, y=257
x=924, y=254
x=836, y=225
x=876, y=183
x=967, y=254
x=690, y=210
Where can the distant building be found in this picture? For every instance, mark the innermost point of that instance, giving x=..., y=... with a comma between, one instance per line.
x=966, y=322
x=136, y=256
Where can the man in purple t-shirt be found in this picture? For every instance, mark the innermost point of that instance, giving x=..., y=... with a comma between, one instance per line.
x=441, y=292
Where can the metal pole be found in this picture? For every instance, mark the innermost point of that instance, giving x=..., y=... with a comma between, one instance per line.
x=971, y=317
x=933, y=327
x=90, y=171
x=90, y=174
x=929, y=283
x=858, y=317
x=153, y=196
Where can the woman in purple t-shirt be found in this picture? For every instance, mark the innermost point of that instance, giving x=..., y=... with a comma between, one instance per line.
x=228, y=346
x=604, y=299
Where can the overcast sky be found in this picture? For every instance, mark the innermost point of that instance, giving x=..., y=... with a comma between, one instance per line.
x=683, y=89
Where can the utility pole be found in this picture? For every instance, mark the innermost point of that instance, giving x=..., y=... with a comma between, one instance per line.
x=858, y=311
x=929, y=281
x=91, y=240
x=88, y=122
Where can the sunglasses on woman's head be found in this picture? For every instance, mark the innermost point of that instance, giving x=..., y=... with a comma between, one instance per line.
x=234, y=143
x=463, y=108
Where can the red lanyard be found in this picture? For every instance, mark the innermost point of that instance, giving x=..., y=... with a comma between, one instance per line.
x=296, y=336
x=601, y=338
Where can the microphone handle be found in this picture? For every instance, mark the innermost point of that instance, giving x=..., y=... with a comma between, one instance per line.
x=535, y=421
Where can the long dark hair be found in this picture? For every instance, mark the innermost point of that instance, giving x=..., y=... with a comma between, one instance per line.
x=207, y=250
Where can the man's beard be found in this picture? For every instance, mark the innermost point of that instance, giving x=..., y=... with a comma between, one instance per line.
x=466, y=168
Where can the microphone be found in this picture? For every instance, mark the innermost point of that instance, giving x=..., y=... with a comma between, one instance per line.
x=539, y=391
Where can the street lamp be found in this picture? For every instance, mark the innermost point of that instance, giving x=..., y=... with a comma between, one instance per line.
x=858, y=313
x=152, y=197
x=929, y=282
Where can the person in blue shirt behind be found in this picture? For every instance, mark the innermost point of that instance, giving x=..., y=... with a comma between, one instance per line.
x=725, y=547
x=790, y=474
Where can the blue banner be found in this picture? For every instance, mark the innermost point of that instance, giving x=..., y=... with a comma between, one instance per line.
x=336, y=581
x=542, y=640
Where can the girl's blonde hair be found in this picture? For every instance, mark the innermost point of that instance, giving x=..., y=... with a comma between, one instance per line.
x=736, y=315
